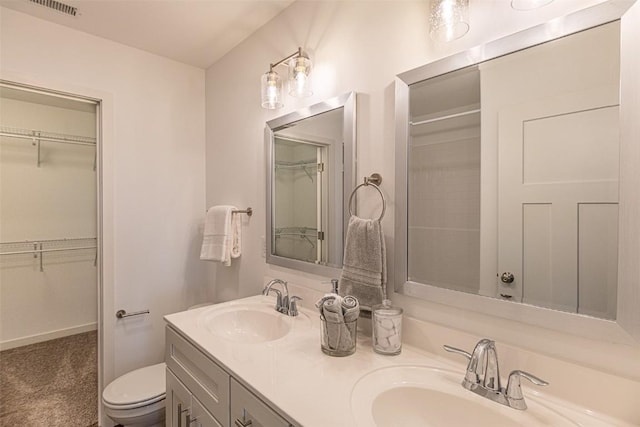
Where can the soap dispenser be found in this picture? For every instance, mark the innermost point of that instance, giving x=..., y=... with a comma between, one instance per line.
x=386, y=324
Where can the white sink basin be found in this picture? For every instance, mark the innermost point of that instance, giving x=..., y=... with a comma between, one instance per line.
x=250, y=322
x=429, y=397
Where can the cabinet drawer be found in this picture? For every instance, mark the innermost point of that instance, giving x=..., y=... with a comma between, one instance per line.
x=204, y=378
x=248, y=410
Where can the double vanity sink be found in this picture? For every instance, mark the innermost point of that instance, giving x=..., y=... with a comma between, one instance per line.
x=278, y=358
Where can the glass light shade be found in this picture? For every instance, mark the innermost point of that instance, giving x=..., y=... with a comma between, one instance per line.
x=271, y=90
x=448, y=19
x=300, y=76
x=528, y=4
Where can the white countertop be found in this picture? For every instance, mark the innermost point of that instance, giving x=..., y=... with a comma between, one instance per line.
x=308, y=387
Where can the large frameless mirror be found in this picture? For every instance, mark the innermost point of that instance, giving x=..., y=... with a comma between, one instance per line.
x=310, y=156
x=509, y=172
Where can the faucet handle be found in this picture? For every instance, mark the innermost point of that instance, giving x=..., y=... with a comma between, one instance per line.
x=470, y=377
x=458, y=351
x=293, y=305
x=514, y=389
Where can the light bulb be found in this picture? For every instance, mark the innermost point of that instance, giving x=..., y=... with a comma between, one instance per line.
x=271, y=90
x=299, y=76
x=448, y=19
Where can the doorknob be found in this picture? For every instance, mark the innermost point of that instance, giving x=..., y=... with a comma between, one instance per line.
x=507, y=278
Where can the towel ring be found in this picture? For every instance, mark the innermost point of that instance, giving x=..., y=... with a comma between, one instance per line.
x=374, y=180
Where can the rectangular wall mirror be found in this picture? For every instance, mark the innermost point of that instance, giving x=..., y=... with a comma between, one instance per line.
x=509, y=172
x=310, y=157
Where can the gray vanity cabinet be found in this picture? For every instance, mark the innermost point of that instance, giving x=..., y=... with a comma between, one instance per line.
x=248, y=410
x=183, y=408
x=200, y=393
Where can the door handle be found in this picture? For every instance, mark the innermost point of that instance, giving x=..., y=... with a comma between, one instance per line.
x=507, y=278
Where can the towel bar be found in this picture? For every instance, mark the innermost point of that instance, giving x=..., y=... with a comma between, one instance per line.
x=121, y=314
x=374, y=180
x=248, y=211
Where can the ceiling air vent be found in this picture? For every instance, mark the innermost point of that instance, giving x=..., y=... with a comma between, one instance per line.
x=57, y=6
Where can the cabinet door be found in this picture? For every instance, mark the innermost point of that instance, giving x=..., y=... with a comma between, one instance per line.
x=178, y=402
x=200, y=417
x=203, y=377
x=249, y=410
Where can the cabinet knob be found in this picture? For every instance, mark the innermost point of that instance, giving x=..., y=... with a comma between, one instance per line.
x=239, y=423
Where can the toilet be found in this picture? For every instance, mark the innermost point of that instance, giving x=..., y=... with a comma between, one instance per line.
x=137, y=398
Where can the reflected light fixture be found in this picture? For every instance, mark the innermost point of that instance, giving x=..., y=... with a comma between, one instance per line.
x=448, y=19
x=528, y=4
x=299, y=80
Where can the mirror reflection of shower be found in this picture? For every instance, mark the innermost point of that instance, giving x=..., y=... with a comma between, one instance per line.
x=48, y=259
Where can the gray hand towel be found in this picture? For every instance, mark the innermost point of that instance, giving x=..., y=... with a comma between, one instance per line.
x=351, y=312
x=364, y=271
x=334, y=312
x=350, y=308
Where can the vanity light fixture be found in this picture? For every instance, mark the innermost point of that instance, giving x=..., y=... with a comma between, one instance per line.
x=299, y=80
x=448, y=19
x=528, y=4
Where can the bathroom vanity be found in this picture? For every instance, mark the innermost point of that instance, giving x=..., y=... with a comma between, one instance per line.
x=200, y=391
x=242, y=363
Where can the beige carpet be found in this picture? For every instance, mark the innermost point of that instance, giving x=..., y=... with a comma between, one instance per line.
x=53, y=383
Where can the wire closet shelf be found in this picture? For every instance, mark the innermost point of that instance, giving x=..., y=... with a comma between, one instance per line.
x=36, y=137
x=37, y=248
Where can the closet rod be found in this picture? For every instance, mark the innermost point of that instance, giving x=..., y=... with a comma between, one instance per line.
x=43, y=138
x=34, y=251
x=30, y=242
x=297, y=165
x=298, y=229
x=450, y=116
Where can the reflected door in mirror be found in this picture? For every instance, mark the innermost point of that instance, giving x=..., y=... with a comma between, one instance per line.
x=310, y=164
x=513, y=167
x=300, y=182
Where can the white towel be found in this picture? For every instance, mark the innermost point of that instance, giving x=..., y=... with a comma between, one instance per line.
x=222, y=235
x=364, y=272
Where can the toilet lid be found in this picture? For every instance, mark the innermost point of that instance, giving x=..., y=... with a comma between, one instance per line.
x=137, y=388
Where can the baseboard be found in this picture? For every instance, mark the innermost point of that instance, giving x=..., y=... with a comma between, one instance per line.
x=33, y=339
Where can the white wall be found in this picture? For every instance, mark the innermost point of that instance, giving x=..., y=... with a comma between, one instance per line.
x=152, y=172
x=54, y=201
x=361, y=46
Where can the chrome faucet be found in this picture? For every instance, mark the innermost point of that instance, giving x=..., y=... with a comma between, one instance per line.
x=483, y=376
x=284, y=305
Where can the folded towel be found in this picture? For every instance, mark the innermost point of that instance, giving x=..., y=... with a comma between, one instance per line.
x=351, y=312
x=350, y=308
x=221, y=240
x=364, y=271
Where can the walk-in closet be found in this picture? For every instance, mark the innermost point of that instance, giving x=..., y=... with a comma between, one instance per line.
x=48, y=259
